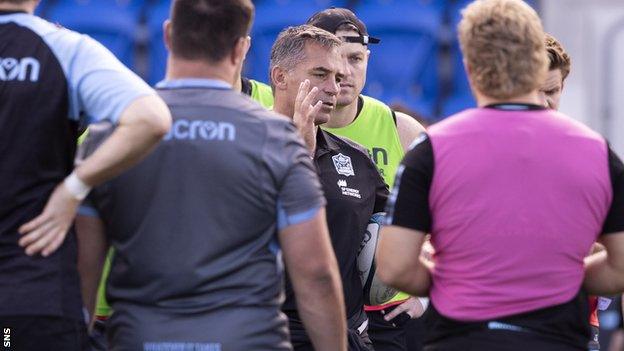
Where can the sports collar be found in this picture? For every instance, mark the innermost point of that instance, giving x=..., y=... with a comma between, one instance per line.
x=324, y=143
x=187, y=83
x=515, y=106
x=11, y=12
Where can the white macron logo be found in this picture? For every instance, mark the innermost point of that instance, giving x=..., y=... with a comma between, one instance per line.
x=14, y=69
x=183, y=129
x=342, y=183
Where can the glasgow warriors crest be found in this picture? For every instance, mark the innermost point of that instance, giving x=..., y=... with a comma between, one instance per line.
x=343, y=165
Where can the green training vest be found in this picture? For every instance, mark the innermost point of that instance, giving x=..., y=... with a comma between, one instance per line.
x=375, y=129
x=260, y=92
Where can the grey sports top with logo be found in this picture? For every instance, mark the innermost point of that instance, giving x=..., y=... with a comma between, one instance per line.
x=195, y=224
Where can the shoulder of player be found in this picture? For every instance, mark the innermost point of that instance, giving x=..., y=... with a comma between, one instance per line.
x=62, y=40
x=374, y=104
x=408, y=123
x=259, y=85
x=350, y=146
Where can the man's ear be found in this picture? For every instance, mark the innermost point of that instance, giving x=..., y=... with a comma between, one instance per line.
x=237, y=56
x=248, y=42
x=279, y=78
x=167, y=34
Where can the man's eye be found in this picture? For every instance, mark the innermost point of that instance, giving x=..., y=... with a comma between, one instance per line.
x=355, y=59
x=320, y=75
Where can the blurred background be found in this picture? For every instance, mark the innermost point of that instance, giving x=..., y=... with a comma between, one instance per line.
x=417, y=66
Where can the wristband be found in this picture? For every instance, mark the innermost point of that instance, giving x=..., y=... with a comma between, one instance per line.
x=76, y=187
x=424, y=302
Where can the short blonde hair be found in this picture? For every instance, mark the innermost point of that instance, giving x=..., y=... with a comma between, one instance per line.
x=502, y=42
x=557, y=56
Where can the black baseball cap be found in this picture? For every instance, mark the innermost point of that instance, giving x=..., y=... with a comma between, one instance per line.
x=333, y=17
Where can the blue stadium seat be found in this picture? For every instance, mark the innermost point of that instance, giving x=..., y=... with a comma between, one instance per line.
x=403, y=67
x=112, y=23
x=157, y=13
x=271, y=18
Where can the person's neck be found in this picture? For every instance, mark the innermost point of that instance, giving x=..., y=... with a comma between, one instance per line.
x=28, y=7
x=180, y=69
x=238, y=83
x=342, y=116
x=281, y=107
x=530, y=98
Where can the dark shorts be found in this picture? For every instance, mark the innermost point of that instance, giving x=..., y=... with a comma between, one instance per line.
x=356, y=342
x=134, y=327
x=499, y=340
x=388, y=337
x=43, y=333
x=357, y=334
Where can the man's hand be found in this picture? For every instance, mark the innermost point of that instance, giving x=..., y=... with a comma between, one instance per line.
x=46, y=232
x=426, y=254
x=411, y=306
x=305, y=112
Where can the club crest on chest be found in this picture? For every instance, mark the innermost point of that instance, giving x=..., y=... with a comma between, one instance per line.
x=343, y=165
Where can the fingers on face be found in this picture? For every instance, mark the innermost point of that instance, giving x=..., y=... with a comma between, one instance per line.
x=308, y=101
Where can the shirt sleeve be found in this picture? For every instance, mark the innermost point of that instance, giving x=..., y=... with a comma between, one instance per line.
x=614, y=222
x=299, y=194
x=100, y=86
x=408, y=205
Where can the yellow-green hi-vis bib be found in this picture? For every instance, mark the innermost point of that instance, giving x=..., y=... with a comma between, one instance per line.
x=375, y=129
x=262, y=93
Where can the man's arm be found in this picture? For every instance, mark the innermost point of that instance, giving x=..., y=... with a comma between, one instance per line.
x=92, y=246
x=314, y=274
x=604, y=271
x=398, y=260
x=141, y=126
x=408, y=128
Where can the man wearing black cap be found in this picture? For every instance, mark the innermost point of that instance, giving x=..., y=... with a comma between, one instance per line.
x=387, y=135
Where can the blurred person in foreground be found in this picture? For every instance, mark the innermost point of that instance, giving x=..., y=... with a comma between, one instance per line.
x=54, y=82
x=200, y=227
x=550, y=94
x=519, y=195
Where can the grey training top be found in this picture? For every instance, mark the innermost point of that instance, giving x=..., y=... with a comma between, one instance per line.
x=194, y=225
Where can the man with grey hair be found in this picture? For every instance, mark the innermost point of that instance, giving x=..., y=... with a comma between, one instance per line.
x=306, y=69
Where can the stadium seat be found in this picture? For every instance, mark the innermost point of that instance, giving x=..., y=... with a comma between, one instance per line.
x=157, y=13
x=271, y=18
x=112, y=23
x=403, y=67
